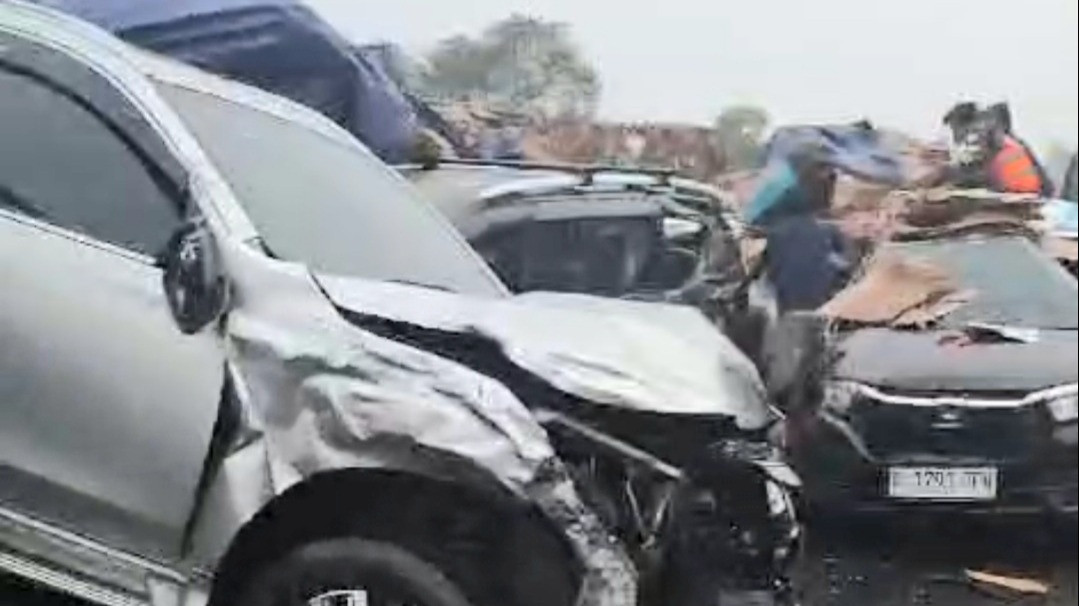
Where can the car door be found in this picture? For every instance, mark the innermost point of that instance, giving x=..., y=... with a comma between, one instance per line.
x=106, y=409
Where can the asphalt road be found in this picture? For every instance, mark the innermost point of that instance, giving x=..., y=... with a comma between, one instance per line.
x=887, y=563
x=923, y=562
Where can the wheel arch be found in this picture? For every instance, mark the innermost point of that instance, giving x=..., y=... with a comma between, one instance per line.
x=481, y=535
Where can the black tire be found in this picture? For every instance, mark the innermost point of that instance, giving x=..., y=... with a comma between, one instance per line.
x=318, y=568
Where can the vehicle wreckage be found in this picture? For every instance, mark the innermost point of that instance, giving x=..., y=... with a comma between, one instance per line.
x=951, y=379
x=620, y=232
x=255, y=429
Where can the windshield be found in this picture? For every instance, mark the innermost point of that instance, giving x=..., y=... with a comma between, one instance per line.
x=1015, y=284
x=330, y=206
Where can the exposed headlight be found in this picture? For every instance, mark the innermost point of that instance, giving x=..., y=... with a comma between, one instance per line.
x=839, y=396
x=1064, y=409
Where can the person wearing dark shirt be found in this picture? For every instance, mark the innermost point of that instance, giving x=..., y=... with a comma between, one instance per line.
x=807, y=261
x=806, y=255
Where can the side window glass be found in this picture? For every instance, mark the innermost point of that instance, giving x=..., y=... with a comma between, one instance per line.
x=504, y=253
x=60, y=164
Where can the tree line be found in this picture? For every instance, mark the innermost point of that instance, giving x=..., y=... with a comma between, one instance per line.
x=535, y=67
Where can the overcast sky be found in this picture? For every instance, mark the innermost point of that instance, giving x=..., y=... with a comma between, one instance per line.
x=901, y=62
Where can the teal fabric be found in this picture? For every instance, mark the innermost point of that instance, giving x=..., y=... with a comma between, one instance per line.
x=778, y=191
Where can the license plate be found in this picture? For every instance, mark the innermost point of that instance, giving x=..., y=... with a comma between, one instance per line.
x=943, y=483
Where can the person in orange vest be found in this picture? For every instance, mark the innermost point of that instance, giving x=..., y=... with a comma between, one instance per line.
x=990, y=155
x=1013, y=167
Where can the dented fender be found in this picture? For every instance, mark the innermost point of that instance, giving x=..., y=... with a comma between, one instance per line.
x=318, y=394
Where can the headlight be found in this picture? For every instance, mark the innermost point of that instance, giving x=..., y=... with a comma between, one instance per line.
x=1064, y=409
x=840, y=396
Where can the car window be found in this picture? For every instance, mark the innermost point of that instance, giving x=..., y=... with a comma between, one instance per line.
x=594, y=256
x=329, y=205
x=60, y=164
x=1013, y=282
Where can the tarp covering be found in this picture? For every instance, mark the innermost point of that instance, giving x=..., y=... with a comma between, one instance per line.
x=277, y=45
x=858, y=151
x=855, y=149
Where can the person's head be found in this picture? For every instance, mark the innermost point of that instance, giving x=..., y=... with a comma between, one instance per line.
x=816, y=173
x=960, y=118
x=990, y=127
x=1001, y=114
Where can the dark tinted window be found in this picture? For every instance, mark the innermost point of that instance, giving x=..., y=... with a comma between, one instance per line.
x=60, y=164
x=605, y=256
x=326, y=204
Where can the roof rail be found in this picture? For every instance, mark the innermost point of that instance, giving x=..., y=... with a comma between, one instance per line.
x=587, y=171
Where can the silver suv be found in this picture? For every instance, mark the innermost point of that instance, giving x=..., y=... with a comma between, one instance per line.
x=242, y=365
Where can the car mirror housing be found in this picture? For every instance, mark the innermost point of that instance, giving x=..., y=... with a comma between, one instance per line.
x=193, y=277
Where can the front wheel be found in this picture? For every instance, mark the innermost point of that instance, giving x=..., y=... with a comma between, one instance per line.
x=351, y=572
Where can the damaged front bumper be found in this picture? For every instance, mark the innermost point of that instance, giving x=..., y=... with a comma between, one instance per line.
x=719, y=528
x=609, y=577
x=413, y=399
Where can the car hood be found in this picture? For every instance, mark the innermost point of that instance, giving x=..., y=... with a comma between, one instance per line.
x=925, y=361
x=645, y=356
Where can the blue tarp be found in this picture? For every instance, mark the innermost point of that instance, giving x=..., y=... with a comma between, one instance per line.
x=853, y=149
x=778, y=185
x=278, y=45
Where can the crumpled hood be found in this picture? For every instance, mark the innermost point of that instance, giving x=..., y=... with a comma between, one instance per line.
x=923, y=362
x=645, y=356
x=319, y=396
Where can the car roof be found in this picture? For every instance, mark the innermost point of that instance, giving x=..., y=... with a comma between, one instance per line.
x=463, y=190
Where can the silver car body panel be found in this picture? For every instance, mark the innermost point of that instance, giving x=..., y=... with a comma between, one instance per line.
x=317, y=393
x=88, y=426
x=644, y=356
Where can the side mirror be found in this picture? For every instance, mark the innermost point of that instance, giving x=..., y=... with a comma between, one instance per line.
x=795, y=354
x=194, y=280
